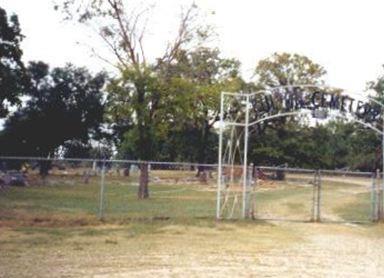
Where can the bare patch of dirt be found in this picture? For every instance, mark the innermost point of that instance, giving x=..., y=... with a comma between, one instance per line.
x=325, y=252
x=279, y=249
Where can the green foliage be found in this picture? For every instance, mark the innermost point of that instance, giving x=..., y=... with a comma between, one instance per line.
x=163, y=110
x=64, y=104
x=378, y=87
x=283, y=69
x=157, y=111
x=137, y=111
x=335, y=145
x=196, y=79
x=75, y=149
x=12, y=73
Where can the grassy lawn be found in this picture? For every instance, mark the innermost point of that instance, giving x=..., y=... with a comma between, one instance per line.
x=75, y=201
x=346, y=202
x=53, y=229
x=56, y=224
x=82, y=201
x=290, y=202
x=137, y=246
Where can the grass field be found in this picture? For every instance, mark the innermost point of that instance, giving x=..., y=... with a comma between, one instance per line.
x=52, y=230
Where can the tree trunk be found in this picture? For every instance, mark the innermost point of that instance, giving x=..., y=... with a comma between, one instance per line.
x=143, y=192
x=201, y=170
x=45, y=166
x=144, y=143
x=127, y=170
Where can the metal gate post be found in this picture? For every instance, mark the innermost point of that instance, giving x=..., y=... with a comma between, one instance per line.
x=382, y=180
x=255, y=172
x=314, y=197
x=373, y=197
x=219, y=170
x=245, y=160
x=378, y=196
x=102, y=190
x=249, y=198
x=318, y=218
x=381, y=196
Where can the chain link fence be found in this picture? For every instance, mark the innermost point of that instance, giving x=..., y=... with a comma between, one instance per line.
x=107, y=189
x=35, y=189
x=176, y=190
x=318, y=195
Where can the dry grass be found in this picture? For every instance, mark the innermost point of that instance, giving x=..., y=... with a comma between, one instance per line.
x=204, y=249
x=52, y=231
x=135, y=249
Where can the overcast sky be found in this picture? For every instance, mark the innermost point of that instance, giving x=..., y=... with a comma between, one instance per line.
x=346, y=37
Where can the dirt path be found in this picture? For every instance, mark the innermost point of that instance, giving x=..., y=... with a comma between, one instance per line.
x=326, y=256
x=344, y=252
x=279, y=249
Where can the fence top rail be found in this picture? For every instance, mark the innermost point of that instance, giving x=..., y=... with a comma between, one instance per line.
x=27, y=158
x=303, y=170
x=274, y=168
x=184, y=164
x=344, y=172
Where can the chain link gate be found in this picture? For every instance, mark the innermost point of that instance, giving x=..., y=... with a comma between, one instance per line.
x=349, y=196
x=317, y=195
x=283, y=193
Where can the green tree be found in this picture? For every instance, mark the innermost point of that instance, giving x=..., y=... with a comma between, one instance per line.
x=123, y=29
x=12, y=72
x=65, y=104
x=283, y=69
x=292, y=144
x=337, y=144
x=197, y=78
x=378, y=87
x=139, y=119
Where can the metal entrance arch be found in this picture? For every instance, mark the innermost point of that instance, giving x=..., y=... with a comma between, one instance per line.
x=242, y=121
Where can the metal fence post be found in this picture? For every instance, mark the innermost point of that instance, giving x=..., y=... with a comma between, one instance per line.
x=381, y=195
x=219, y=166
x=255, y=174
x=318, y=219
x=314, y=197
x=373, y=197
x=245, y=157
x=249, y=209
x=382, y=180
x=102, y=191
x=378, y=196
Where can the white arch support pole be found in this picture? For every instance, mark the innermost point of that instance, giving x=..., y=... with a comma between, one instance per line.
x=219, y=170
x=245, y=161
x=382, y=173
x=246, y=125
